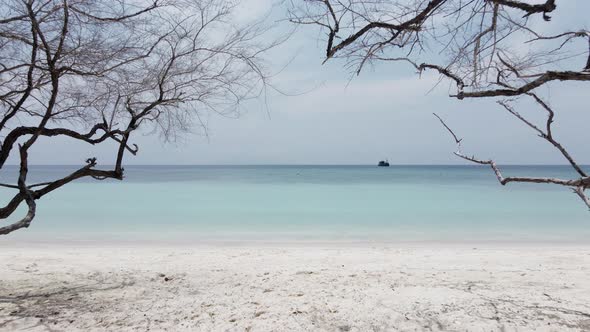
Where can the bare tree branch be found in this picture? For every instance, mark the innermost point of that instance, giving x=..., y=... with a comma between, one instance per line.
x=578, y=185
x=474, y=44
x=102, y=70
x=530, y=9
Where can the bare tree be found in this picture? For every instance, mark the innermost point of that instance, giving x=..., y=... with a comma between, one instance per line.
x=490, y=48
x=97, y=71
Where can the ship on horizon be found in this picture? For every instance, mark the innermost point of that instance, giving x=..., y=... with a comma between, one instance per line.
x=383, y=163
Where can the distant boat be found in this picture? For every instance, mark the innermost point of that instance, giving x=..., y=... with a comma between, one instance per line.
x=383, y=163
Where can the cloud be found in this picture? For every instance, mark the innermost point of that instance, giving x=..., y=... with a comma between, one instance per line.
x=359, y=95
x=250, y=10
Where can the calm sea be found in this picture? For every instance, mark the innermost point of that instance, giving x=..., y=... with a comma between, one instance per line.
x=279, y=203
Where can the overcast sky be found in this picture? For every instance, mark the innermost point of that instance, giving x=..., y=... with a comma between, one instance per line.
x=386, y=112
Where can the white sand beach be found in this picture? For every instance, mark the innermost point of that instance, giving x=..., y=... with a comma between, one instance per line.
x=294, y=288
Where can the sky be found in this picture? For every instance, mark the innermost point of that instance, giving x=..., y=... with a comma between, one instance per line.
x=384, y=113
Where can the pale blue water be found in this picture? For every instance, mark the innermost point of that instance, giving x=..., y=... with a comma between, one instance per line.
x=275, y=203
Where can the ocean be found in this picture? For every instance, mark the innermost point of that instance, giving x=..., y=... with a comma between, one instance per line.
x=307, y=203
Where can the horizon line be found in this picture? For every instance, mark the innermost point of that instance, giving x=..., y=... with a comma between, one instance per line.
x=271, y=164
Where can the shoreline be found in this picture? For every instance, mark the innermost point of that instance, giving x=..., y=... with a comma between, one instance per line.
x=287, y=242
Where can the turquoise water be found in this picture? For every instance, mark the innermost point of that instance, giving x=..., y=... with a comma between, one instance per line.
x=399, y=203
